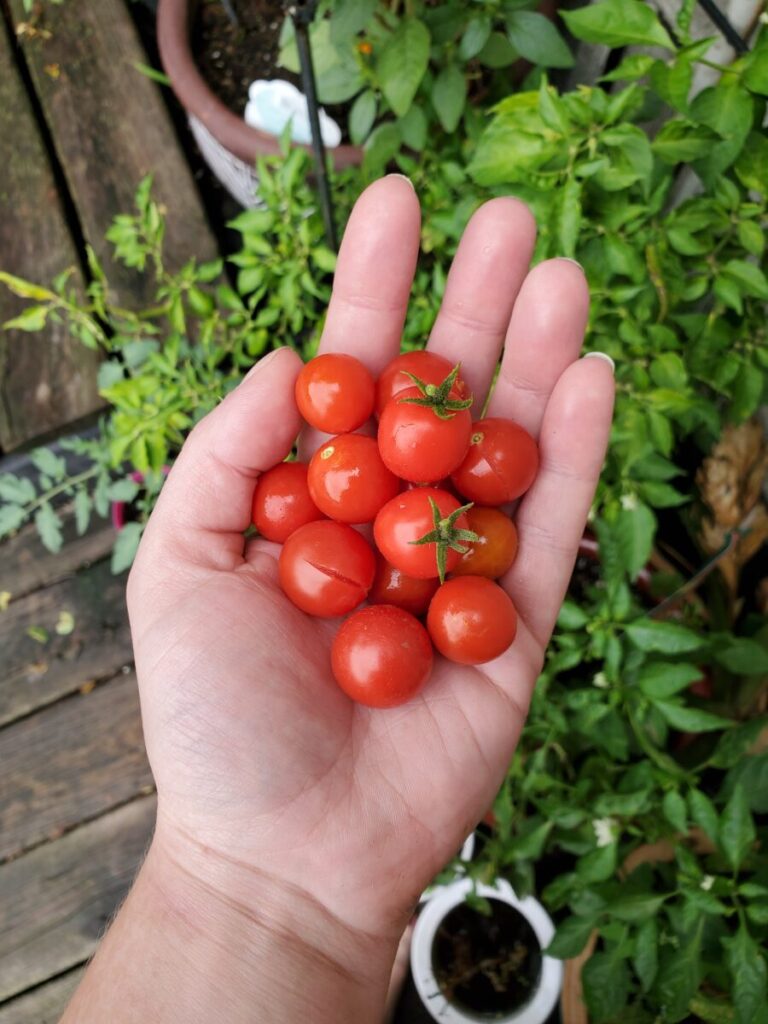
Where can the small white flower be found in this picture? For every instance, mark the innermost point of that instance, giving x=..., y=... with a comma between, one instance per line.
x=763, y=19
x=600, y=680
x=707, y=882
x=628, y=502
x=604, y=831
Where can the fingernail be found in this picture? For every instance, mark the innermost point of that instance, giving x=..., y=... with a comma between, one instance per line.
x=404, y=177
x=569, y=259
x=602, y=355
x=260, y=365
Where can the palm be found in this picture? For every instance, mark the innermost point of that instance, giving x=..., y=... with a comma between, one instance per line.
x=255, y=750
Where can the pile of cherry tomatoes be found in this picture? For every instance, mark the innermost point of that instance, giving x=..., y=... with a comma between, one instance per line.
x=431, y=483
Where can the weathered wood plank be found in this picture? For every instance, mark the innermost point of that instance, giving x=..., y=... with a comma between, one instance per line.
x=56, y=901
x=25, y=565
x=110, y=128
x=46, y=379
x=71, y=762
x=45, y=1004
x=35, y=674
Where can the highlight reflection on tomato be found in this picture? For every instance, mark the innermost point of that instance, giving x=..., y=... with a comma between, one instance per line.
x=348, y=480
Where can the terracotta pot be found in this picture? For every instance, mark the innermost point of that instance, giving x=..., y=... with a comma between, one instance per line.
x=229, y=145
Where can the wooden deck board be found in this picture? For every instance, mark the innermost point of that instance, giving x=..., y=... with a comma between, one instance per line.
x=111, y=128
x=56, y=901
x=44, y=1004
x=46, y=379
x=69, y=763
x=35, y=674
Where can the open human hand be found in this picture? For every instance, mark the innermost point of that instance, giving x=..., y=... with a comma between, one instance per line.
x=268, y=776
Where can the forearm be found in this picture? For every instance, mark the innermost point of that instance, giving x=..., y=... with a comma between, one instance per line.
x=228, y=949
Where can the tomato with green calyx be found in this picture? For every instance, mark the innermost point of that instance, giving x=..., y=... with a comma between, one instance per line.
x=500, y=465
x=471, y=620
x=427, y=367
x=391, y=586
x=494, y=551
x=424, y=431
x=335, y=393
x=326, y=568
x=282, y=502
x=348, y=480
x=422, y=532
x=381, y=656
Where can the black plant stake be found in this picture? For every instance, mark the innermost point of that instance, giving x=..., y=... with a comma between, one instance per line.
x=302, y=14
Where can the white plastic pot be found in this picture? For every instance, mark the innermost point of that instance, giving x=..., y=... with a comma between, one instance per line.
x=466, y=853
x=441, y=903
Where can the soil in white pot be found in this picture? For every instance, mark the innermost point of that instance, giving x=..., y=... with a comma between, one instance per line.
x=488, y=966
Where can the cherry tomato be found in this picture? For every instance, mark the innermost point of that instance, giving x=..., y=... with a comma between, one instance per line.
x=390, y=586
x=495, y=549
x=407, y=518
x=427, y=366
x=326, y=568
x=381, y=656
x=501, y=463
x=416, y=444
x=471, y=620
x=281, y=501
x=348, y=481
x=335, y=393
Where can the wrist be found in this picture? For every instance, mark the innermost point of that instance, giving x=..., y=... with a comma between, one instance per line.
x=273, y=945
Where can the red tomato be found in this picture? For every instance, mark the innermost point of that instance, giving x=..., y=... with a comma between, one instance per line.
x=501, y=463
x=427, y=366
x=416, y=444
x=471, y=620
x=496, y=547
x=390, y=586
x=381, y=656
x=407, y=518
x=348, y=481
x=335, y=393
x=281, y=502
x=326, y=568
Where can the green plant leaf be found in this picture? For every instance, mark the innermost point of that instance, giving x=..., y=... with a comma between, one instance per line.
x=755, y=74
x=567, y=217
x=666, y=637
x=126, y=546
x=734, y=744
x=475, y=36
x=748, y=387
x=599, y=864
x=681, y=141
x=752, y=164
x=675, y=811
x=449, y=94
x=33, y=318
x=631, y=68
x=570, y=938
x=536, y=38
x=749, y=277
x=17, y=490
x=123, y=490
x=48, y=463
x=82, y=506
x=728, y=110
x=635, y=529
x=348, y=17
x=606, y=986
x=413, y=128
x=747, y=966
x=661, y=679
x=636, y=907
x=25, y=289
x=751, y=237
x=383, y=143
x=691, y=719
x=704, y=814
x=571, y=616
x=403, y=62
x=743, y=656
x=618, y=23
x=11, y=518
x=737, y=829
x=361, y=117
x=646, y=957
x=680, y=973
x=498, y=52
x=48, y=526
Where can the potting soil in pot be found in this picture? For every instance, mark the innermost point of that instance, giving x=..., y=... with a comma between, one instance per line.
x=488, y=966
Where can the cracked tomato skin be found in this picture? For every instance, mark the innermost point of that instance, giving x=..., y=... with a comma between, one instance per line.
x=282, y=503
x=335, y=393
x=500, y=465
x=381, y=656
x=471, y=620
x=390, y=586
x=416, y=444
x=427, y=366
x=493, y=553
x=348, y=480
x=407, y=518
x=326, y=568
